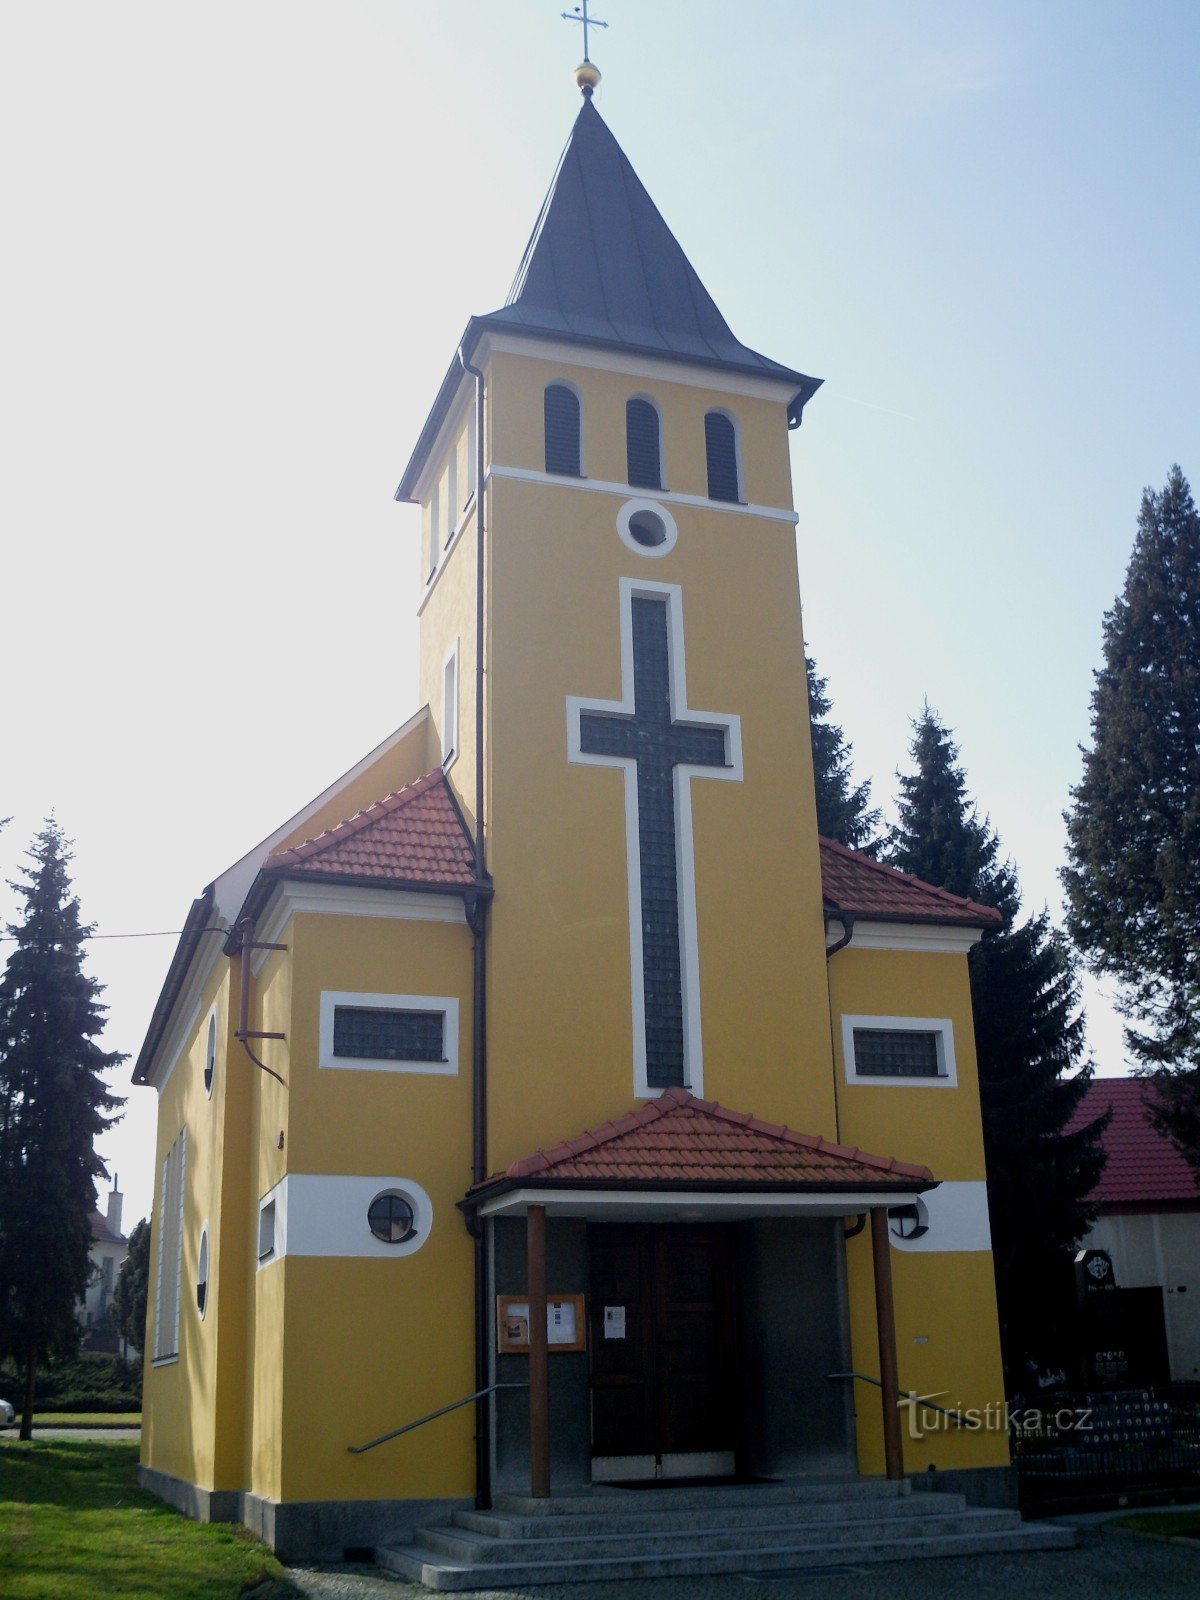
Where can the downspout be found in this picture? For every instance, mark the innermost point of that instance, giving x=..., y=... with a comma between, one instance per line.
x=477, y=911
x=846, y=918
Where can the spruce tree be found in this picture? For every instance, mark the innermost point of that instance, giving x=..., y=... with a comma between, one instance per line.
x=53, y=1104
x=1133, y=878
x=1029, y=1041
x=844, y=810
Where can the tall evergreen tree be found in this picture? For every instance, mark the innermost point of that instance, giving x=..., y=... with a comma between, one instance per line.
x=53, y=1104
x=844, y=810
x=1133, y=878
x=1029, y=1041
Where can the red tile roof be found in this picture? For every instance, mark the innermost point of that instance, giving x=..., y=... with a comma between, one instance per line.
x=854, y=883
x=414, y=836
x=1144, y=1168
x=101, y=1232
x=679, y=1141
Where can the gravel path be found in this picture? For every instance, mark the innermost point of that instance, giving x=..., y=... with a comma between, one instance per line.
x=1104, y=1567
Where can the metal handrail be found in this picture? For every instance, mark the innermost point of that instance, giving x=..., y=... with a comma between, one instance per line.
x=910, y=1395
x=360, y=1449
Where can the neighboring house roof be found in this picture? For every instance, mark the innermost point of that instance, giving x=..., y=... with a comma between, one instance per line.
x=101, y=1232
x=677, y=1141
x=603, y=268
x=1144, y=1168
x=415, y=836
x=853, y=883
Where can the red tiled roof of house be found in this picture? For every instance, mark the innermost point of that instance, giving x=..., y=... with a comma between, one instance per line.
x=679, y=1141
x=1144, y=1167
x=101, y=1232
x=416, y=835
x=854, y=883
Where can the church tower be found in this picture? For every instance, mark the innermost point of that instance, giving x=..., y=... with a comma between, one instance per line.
x=545, y=1104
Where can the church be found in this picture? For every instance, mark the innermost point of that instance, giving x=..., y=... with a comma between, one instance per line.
x=550, y=1122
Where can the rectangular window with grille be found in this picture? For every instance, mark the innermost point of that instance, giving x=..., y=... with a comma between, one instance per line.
x=168, y=1225
x=389, y=1032
x=373, y=1034
x=899, y=1050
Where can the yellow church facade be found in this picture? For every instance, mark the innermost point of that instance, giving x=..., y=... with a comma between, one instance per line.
x=549, y=1062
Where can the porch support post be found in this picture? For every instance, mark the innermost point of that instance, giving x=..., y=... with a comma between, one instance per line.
x=539, y=1387
x=885, y=1322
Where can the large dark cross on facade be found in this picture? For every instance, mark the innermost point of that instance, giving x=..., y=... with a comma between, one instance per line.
x=656, y=742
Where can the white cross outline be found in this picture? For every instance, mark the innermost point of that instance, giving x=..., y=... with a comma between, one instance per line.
x=685, y=856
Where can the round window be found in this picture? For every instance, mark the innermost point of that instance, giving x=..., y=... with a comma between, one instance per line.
x=647, y=528
x=210, y=1056
x=390, y=1217
x=202, y=1275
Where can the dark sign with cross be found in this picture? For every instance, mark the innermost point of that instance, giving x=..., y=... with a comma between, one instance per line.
x=662, y=746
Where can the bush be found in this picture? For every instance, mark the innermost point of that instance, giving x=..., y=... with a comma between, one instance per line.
x=89, y=1383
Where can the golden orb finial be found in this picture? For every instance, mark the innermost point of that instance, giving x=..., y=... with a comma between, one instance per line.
x=587, y=77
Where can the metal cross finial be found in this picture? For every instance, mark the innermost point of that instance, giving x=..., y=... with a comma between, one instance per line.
x=580, y=14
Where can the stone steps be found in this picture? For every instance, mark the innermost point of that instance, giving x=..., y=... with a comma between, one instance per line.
x=663, y=1533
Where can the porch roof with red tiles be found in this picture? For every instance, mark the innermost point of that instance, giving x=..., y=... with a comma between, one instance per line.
x=679, y=1142
x=415, y=835
x=853, y=883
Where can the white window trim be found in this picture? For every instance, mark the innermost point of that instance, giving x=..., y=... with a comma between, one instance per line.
x=662, y=443
x=564, y=477
x=170, y=1239
x=273, y=1201
x=693, y=1052
x=629, y=510
x=446, y=1004
x=435, y=531
x=325, y=1214
x=947, y=1077
x=451, y=703
x=731, y=417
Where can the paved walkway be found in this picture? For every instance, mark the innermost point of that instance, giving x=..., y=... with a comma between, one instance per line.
x=1105, y=1567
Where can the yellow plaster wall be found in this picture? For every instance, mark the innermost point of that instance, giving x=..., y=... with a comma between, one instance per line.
x=448, y=614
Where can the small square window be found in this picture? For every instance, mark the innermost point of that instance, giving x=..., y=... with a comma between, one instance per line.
x=899, y=1050
x=405, y=1033
x=266, y=1230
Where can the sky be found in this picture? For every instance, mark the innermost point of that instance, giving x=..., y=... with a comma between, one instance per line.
x=244, y=239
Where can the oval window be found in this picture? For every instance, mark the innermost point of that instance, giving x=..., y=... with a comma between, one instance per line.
x=648, y=528
x=202, y=1274
x=210, y=1056
x=391, y=1218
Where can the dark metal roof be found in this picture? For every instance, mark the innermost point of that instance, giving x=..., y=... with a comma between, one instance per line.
x=603, y=268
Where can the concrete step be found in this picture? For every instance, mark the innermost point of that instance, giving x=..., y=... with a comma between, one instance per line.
x=642, y=1519
x=605, y=1498
x=482, y=1549
x=419, y=1564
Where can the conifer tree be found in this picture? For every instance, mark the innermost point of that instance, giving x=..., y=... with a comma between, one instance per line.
x=1133, y=878
x=844, y=810
x=1029, y=1042
x=53, y=1104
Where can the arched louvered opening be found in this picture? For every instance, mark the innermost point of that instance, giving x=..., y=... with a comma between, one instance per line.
x=720, y=446
x=643, y=447
x=561, y=411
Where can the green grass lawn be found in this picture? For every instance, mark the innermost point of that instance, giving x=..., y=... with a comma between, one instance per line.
x=75, y=1525
x=1168, y=1523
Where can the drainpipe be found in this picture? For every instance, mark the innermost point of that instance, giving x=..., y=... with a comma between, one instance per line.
x=477, y=910
x=846, y=918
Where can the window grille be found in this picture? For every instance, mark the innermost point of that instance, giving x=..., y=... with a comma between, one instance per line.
x=373, y=1033
x=642, y=445
x=896, y=1053
x=720, y=446
x=561, y=412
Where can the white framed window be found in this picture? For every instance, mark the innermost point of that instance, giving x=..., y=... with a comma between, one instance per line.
x=169, y=1266
x=647, y=528
x=388, y=1032
x=917, y=1052
x=210, y=1053
x=645, y=468
x=723, y=457
x=435, y=522
x=450, y=706
x=467, y=486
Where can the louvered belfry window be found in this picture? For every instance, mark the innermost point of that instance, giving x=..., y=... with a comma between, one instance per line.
x=561, y=410
x=642, y=445
x=720, y=446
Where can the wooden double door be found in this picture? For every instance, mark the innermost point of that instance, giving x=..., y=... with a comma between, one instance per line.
x=661, y=1337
